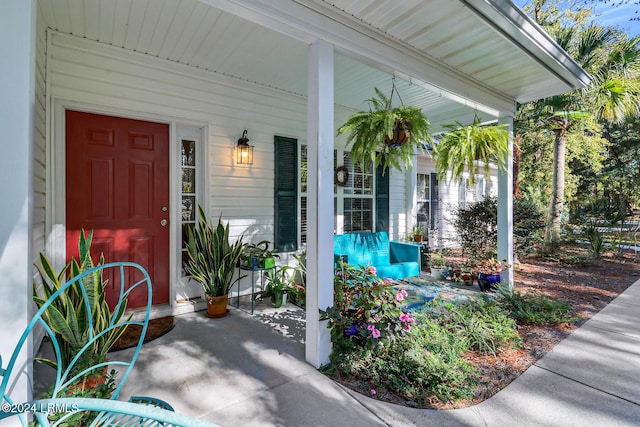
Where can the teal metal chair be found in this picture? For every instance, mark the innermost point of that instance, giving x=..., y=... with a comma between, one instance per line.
x=139, y=411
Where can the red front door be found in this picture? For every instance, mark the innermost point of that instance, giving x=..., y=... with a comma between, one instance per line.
x=117, y=184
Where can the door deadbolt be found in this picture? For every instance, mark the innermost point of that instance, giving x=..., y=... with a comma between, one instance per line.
x=163, y=209
x=163, y=222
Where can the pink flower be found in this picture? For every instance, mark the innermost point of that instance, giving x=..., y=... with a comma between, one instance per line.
x=387, y=280
x=403, y=292
x=371, y=327
x=373, y=392
x=403, y=317
x=399, y=296
x=372, y=270
x=408, y=326
x=375, y=333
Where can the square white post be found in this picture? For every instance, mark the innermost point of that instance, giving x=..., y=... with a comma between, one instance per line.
x=320, y=140
x=505, y=209
x=17, y=82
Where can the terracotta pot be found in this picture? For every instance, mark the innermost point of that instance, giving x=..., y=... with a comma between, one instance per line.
x=417, y=238
x=88, y=383
x=217, y=306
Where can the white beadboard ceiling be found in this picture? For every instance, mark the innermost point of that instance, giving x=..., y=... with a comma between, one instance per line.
x=488, y=43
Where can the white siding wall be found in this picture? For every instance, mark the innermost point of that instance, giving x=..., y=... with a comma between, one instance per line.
x=40, y=135
x=115, y=81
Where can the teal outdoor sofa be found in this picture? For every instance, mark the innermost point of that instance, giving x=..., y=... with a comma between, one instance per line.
x=392, y=259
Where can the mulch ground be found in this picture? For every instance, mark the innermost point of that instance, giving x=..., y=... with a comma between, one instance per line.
x=586, y=284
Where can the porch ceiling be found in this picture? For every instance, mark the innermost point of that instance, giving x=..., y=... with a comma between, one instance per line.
x=489, y=45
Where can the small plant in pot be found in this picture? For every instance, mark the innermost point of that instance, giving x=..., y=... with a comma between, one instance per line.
x=417, y=233
x=438, y=266
x=489, y=274
x=258, y=255
x=82, y=323
x=212, y=261
x=465, y=273
x=277, y=287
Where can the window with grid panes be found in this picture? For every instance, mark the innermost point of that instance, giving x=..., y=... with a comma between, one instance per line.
x=354, y=201
x=357, y=197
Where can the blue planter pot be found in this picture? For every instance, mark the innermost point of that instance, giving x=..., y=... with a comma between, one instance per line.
x=488, y=282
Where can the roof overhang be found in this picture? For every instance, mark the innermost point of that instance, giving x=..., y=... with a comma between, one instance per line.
x=453, y=58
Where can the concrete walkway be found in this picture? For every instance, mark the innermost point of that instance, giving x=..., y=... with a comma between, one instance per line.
x=247, y=370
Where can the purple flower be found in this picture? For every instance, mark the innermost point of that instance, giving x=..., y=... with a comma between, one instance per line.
x=353, y=329
x=373, y=392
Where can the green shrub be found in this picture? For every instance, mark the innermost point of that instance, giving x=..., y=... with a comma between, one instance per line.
x=427, y=363
x=534, y=308
x=482, y=325
x=477, y=228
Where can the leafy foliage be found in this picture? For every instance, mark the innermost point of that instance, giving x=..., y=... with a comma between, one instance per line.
x=80, y=314
x=535, y=309
x=462, y=147
x=366, y=311
x=212, y=259
x=482, y=325
x=366, y=132
x=477, y=228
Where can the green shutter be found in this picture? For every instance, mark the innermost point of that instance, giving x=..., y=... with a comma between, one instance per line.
x=382, y=199
x=286, y=194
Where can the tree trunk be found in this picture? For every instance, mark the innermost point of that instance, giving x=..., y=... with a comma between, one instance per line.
x=556, y=204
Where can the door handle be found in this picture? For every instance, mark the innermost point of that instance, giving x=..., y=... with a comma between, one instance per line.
x=164, y=222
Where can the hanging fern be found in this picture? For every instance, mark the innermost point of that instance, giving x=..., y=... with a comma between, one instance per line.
x=369, y=132
x=463, y=148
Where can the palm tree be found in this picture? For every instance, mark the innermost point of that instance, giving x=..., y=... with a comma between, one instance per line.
x=613, y=95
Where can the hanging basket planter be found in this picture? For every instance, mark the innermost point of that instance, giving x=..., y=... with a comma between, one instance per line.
x=401, y=133
x=466, y=148
x=386, y=135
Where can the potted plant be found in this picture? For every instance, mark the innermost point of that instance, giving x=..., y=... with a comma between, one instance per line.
x=462, y=147
x=417, y=233
x=465, y=273
x=438, y=266
x=489, y=274
x=386, y=135
x=86, y=327
x=212, y=261
x=258, y=255
x=277, y=287
x=297, y=278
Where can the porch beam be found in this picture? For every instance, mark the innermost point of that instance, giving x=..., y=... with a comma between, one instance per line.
x=17, y=86
x=505, y=209
x=320, y=131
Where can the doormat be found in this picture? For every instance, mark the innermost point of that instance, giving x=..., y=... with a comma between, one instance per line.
x=155, y=329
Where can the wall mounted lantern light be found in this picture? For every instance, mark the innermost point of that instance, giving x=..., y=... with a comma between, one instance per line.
x=244, y=151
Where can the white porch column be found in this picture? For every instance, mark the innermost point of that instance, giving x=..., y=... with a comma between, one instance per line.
x=411, y=185
x=320, y=200
x=505, y=209
x=17, y=79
